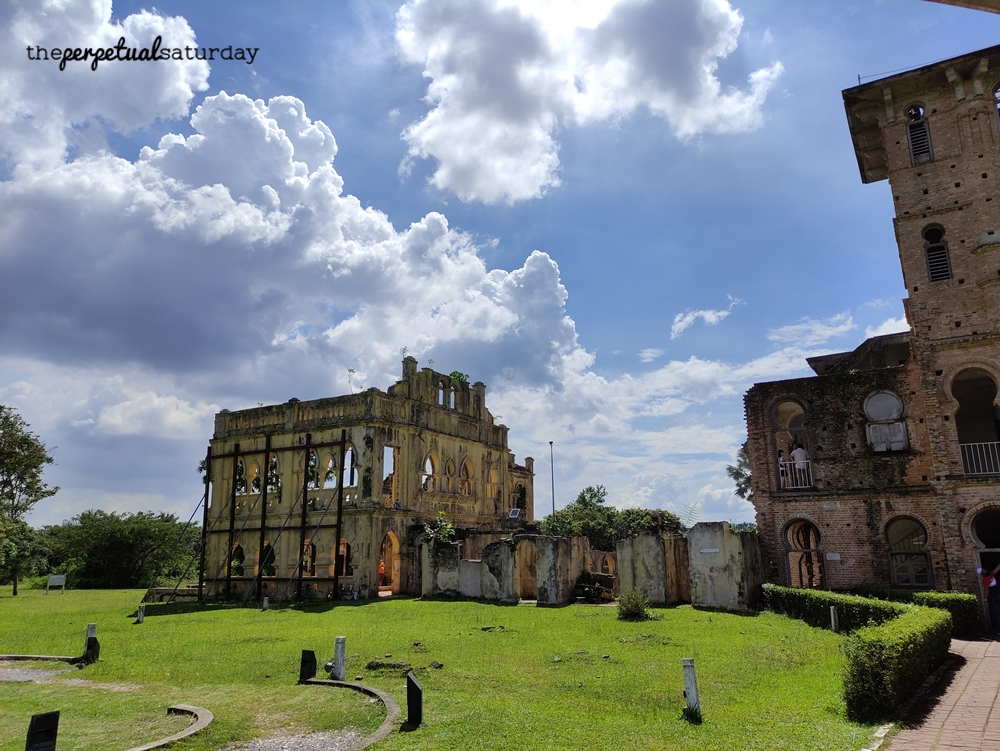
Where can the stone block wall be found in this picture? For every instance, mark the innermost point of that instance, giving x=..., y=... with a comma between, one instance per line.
x=725, y=567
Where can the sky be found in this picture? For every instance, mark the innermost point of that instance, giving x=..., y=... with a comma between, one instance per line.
x=618, y=215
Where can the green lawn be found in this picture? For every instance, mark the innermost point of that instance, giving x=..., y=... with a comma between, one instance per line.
x=766, y=682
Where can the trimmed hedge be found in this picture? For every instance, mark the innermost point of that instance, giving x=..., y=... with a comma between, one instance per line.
x=892, y=648
x=813, y=607
x=966, y=617
x=887, y=663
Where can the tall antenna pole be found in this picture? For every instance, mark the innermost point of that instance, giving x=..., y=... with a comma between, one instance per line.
x=552, y=467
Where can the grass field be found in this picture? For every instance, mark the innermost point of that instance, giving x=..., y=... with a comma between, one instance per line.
x=540, y=682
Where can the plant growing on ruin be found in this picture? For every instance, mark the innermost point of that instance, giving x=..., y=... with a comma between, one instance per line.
x=439, y=529
x=633, y=605
x=457, y=376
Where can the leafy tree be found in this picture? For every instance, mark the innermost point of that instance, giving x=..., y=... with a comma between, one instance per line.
x=21, y=552
x=104, y=550
x=605, y=525
x=22, y=460
x=740, y=473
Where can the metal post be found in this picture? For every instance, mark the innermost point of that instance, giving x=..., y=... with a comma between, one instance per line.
x=552, y=467
x=305, y=505
x=834, y=623
x=232, y=524
x=340, y=518
x=307, y=666
x=414, y=701
x=692, y=712
x=204, y=526
x=263, y=515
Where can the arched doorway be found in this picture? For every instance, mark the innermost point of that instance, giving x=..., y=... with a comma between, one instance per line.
x=805, y=563
x=976, y=421
x=986, y=532
x=388, y=566
x=792, y=446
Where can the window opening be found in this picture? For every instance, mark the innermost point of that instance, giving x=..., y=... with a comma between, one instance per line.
x=919, y=135
x=255, y=483
x=312, y=470
x=429, y=480
x=441, y=393
x=390, y=454
x=273, y=478
x=794, y=462
x=938, y=261
x=267, y=560
x=236, y=559
x=309, y=559
x=451, y=399
x=977, y=421
x=344, y=567
x=909, y=562
x=885, y=432
x=329, y=472
x=350, y=470
x=805, y=564
x=465, y=478
x=241, y=480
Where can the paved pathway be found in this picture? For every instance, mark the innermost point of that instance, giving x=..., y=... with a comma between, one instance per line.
x=962, y=711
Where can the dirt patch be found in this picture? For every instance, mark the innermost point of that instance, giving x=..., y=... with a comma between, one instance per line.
x=31, y=672
x=336, y=740
x=116, y=687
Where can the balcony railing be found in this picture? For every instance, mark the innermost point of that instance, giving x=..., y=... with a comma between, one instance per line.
x=981, y=458
x=795, y=474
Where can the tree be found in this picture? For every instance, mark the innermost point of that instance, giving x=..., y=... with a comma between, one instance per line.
x=457, y=376
x=741, y=473
x=102, y=550
x=21, y=551
x=22, y=460
x=603, y=525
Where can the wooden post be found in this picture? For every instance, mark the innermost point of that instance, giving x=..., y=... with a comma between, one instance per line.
x=340, y=518
x=692, y=712
x=232, y=523
x=204, y=526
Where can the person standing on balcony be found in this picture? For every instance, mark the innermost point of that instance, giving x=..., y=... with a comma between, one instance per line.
x=801, y=458
x=782, y=469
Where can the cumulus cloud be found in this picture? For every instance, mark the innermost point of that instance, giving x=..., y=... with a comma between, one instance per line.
x=42, y=104
x=683, y=321
x=505, y=76
x=888, y=326
x=650, y=354
x=148, y=413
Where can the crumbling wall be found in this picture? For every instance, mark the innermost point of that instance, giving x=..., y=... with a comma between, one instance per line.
x=678, y=568
x=657, y=566
x=559, y=561
x=440, y=572
x=490, y=578
x=726, y=569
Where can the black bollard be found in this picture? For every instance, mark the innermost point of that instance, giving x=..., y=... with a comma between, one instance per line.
x=414, y=701
x=42, y=732
x=92, y=652
x=307, y=666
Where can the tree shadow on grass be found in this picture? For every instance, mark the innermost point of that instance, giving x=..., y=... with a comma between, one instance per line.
x=725, y=611
x=925, y=704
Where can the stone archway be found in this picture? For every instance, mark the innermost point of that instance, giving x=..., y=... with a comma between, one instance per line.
x=389, y=565
x=985, y=530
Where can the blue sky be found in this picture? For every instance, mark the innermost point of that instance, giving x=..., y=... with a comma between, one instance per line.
x=617, y=215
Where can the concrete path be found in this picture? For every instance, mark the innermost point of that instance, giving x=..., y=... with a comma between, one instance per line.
x=962, y=711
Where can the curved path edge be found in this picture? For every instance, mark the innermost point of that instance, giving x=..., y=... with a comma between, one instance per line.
x=392, y=710
x=202, y=718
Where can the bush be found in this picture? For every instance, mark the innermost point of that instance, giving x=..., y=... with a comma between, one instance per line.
x=633, y=605
x=966, y=619
x=813, y=607
x=892, y=649
x=888, y=662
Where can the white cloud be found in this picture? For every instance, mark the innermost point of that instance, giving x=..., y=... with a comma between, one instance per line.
x=809, y=332
x=506, y=76
x=148, y=413
x=650, y=354
x=888, y=326
x=683, y=321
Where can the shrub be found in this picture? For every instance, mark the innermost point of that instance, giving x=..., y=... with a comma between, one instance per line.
x=965, y=614
x=633, y=605
x=888, y=662
x=813, y=607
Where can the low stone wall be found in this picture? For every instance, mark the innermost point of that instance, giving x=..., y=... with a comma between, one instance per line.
x=726, y=568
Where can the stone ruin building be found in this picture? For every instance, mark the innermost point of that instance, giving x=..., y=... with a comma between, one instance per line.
x=310, y=499
x=884, y=467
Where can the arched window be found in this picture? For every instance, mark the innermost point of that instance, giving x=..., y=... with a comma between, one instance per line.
x=350, y=468
x=441, y=394
x=273, y=478
x=236, y=559
x=792, y=447
x=938, y=262
x=328, y=477
x=909, y=562
x=805, y=564
x=312, y=470
x=255, y=483
x=241, y=479
x=918, y=135
x=267, y=560
x=465, y=478
x=429, y=481
x=976, y=421
x=886, y=432
x=451, y=399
